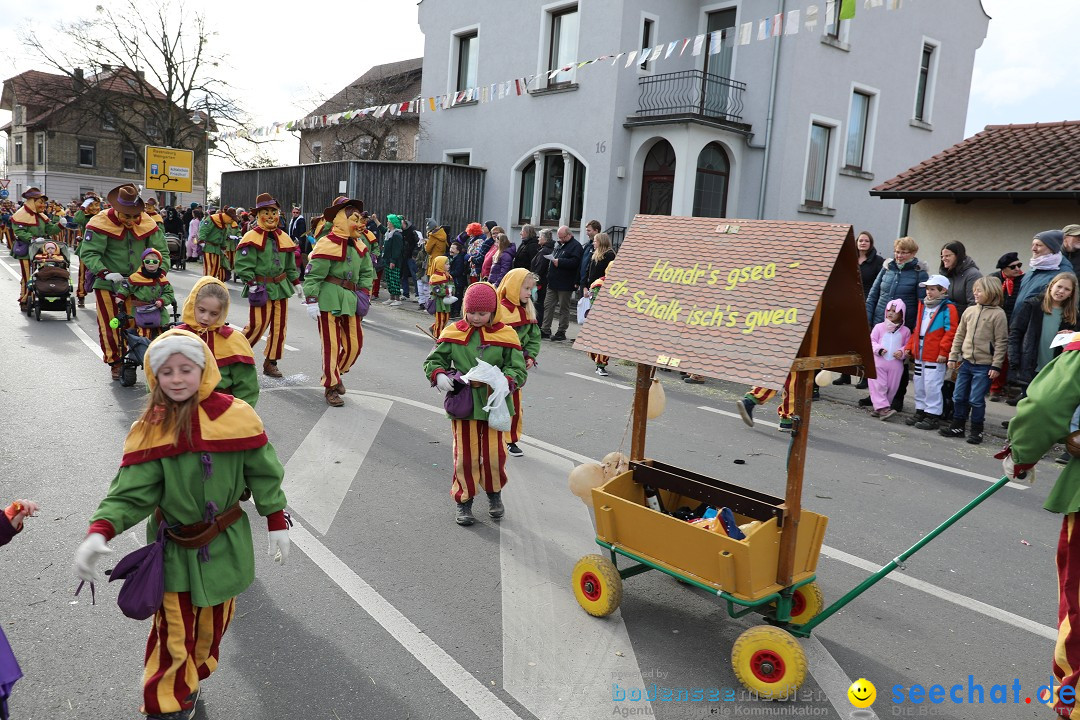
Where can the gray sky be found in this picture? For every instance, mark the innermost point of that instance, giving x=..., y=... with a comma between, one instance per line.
x=1024, y=71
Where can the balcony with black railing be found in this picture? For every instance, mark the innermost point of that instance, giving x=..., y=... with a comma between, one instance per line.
x=689, y=95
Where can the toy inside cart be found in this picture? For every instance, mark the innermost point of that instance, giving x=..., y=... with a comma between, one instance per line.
x=785, y=303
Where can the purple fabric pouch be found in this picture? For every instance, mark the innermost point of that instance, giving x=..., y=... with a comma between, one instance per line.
x=143, y=573
x=21, y=249
x=147, y=316
x=9, y=673
x=363, y=303
x=458, y=403
x=258, y=296
x=430, y=306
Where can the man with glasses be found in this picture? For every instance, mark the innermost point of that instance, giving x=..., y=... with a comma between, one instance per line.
x=1070, y=246
x=112, y=249
x=1010, y=271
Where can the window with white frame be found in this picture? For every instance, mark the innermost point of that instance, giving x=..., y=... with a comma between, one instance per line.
x=108, y=120
x=563, y=44
x=817, y=165
x=832, y=20
x=459, y=158
x=130, y=163
x=390, y=148
x=468, y=58
x=18, y=152
x=87, y=154
x=648, y=34
x=859, y=130
x=561, y=189
x=39, y=144
x=924, y=91
x=316, y=152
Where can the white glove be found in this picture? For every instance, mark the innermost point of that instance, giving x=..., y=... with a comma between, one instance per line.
x=279, y=546
x=1010, y=470
x=444, y=383
x=449, y=300
x=300, y=292
x=92, y=549
x=313, y=310
x=114, y=277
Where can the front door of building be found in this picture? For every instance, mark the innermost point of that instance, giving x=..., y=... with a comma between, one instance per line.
x=716, y=92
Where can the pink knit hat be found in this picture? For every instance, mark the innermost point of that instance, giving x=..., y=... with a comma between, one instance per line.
x=481, y=297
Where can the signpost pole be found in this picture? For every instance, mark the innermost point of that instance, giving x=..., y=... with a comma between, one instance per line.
x=802, y=385
x=641, y=411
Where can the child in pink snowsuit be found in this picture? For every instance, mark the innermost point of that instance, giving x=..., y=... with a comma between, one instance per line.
x=888, y=339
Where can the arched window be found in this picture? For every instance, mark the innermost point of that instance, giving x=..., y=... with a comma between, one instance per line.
x=556, y=201
x=658, y=179
x=711, y=184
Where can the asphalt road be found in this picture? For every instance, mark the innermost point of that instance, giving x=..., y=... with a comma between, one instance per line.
x=386, y=609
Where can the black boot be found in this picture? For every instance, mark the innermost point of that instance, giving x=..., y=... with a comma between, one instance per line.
x=844, y=380
x=975, y=437
x=495, y=505
x=916, y=418
x=929, y=422
x=955, y=430
x=464, y=513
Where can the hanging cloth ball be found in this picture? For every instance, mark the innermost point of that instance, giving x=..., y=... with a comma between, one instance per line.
x=826, y=378
x=584, y=478
x=657, y=400
x=614, y=463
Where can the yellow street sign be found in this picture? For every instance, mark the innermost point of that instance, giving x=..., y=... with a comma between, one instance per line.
x=169, y=169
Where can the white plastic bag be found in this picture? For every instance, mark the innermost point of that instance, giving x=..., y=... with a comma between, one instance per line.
x=498, y=413
x=583, y=306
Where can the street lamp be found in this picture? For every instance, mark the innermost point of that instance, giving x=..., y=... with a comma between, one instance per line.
x=205, y=119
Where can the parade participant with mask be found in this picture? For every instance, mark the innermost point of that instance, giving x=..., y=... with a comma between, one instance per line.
x=90, y=207
x=214, y=234
x=31, y=225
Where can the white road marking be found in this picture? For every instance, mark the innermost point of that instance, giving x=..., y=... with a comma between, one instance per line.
x=954, y=471
x=479, y=699
x=321, y=471
x=831, y=677
x=86, y=340
x=963, y=601
x=602, y=382
x=738, y=417
x=558, y=661
x=290, y=347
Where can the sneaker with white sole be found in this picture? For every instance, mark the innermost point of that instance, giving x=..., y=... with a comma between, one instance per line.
x=396, y=303
x=746, y=410
x=886, y=413
x=602, y=371
x=514, y=450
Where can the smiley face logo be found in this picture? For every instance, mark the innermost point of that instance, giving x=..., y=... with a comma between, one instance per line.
x=862, y=693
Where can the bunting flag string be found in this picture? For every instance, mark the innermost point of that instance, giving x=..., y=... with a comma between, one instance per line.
x=804, y=20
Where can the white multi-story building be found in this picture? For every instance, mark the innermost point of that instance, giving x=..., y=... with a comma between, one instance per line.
x=797, y=127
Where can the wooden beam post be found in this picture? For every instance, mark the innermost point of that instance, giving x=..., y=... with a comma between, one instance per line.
x=641, y=410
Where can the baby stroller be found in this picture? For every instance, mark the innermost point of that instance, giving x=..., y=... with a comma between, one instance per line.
x=133, y=345
x=50, y=283
x=177, y=252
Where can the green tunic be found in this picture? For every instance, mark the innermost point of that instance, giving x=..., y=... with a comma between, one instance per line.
x=145, y=289
x=452, y=355
x=178, y=486
x=356, y=268
x=215, y=239
x=252, y=262
x=1043, y=418
x=30, y=234
x=440, y=291
x=110, y=247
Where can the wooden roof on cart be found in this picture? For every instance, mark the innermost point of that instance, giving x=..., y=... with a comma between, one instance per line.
x=729, y=299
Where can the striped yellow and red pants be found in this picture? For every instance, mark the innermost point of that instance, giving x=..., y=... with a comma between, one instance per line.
x=24, y=291
x=80, y=289
x=479, y=459
x=517, y=423
x=108, y=338
x=212, y=266
x=182, y=650
x=601, y=360
x=274, y=315
x=761, y=395
x=441, y=319
x=1067, y=648
x=342, y=339
x=230, y=256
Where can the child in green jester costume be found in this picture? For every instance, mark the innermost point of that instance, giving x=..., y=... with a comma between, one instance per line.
x=214, y=237
x=1048, y=415
x=148, y=286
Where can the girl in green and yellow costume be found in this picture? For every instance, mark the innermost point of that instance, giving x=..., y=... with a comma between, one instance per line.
x=442, y=287
x=148, y=286
x=337, y=286
x=186, y=462
x=518, y=311
x=205, y=311
x=214, y=234
x=479, y=450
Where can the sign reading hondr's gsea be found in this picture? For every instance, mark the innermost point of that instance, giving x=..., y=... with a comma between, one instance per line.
x=169, y=169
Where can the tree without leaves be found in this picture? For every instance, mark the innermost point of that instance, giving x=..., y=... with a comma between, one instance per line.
x=144, y=74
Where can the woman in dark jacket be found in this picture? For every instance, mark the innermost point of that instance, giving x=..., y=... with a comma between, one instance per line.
x=870, y=261
x=601, y=257
x=1029, y=346
x=962, y=273
x=527, y=249
x=1010, y=271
